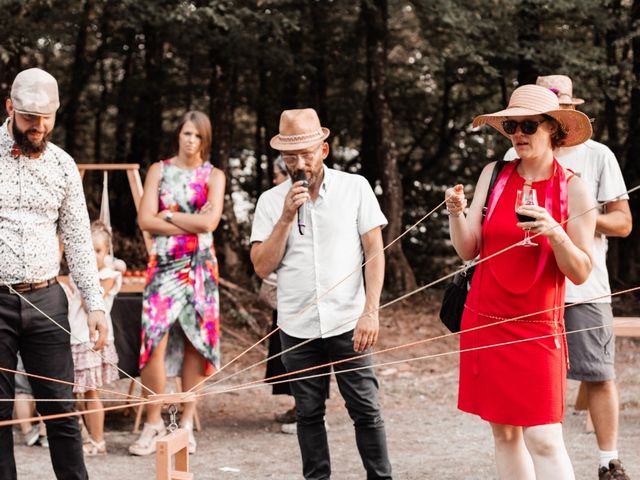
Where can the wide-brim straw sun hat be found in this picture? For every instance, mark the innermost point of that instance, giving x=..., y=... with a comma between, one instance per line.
x=562, y=86
x=299, y=129
x=536, y=100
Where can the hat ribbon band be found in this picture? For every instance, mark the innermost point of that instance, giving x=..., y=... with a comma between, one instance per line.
x=304, y=137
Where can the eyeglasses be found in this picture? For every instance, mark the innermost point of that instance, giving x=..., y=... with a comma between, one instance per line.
x=291, y=159
x=528, y=127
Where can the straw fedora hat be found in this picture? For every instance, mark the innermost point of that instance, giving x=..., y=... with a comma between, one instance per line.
x=536, y=100
x=562, y=86
x=299, y=129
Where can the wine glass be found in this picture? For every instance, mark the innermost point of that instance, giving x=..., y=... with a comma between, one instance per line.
x=526, y=197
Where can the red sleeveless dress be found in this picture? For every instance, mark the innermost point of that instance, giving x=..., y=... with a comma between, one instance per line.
x=522, y=383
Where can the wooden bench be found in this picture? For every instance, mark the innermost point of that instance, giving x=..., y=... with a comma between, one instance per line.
x=622, y=327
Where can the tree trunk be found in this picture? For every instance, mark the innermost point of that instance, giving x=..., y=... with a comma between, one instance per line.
x=260, y=136
x=400, y=276
x=528, y=36
x=610, y=86
x=630, y=271
x=234, y=258
x=102, y=107
x=80, y=72
x=319, y=83
x=122, y=203
x=145, y=144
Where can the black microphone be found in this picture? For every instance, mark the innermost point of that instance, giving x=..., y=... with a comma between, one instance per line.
x=302, y=211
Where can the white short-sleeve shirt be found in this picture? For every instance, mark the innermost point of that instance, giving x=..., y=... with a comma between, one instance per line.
x=329, y=252
x=597, y=166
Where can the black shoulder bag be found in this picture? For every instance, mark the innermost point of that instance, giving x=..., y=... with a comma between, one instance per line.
x=455, y=295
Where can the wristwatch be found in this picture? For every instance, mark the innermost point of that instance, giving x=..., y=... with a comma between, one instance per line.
x=168, y=216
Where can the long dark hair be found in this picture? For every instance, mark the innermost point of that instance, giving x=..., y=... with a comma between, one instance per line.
x=202, y=123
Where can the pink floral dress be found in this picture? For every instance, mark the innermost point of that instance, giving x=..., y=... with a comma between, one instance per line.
x=181, y=291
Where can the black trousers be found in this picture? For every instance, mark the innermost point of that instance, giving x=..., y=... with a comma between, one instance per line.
x=360, y=392
x=45, y=349
x=274, y=365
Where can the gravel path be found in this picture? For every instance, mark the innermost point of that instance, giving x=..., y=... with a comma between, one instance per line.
x=428, y=437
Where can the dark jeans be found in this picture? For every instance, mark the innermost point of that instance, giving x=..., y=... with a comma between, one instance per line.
x=360, y=392
x=45, y=350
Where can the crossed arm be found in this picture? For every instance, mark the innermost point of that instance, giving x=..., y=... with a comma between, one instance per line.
x=151, y=219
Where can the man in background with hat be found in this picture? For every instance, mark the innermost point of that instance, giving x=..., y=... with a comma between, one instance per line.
x=327, y=308
x=41, y=197
x=591, y=353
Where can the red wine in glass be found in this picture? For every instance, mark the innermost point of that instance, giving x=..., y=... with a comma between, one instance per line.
x=525, y=218
x=524, y=198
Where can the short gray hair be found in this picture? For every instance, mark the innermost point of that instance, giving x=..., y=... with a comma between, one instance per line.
x=278, y=162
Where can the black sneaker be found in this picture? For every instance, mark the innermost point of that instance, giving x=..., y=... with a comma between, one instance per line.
x=616, y=472
x=287, y=417
x=604, y=474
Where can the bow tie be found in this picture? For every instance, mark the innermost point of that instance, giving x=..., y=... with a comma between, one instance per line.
x=16, y=151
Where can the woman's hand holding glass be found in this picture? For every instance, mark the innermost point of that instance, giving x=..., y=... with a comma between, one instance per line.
x=542, y=222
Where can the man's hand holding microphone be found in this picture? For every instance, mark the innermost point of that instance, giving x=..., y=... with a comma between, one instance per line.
x=295, y=200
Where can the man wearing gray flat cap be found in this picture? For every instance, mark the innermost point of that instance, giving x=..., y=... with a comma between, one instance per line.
x=41, y=201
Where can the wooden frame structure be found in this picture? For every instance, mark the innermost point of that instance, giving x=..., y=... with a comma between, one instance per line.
x=173, y=446
x=133, y=175
x=135, y=182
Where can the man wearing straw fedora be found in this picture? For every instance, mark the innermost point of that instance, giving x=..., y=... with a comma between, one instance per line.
x=327, y=308
x=591, y=353
x=41, y=197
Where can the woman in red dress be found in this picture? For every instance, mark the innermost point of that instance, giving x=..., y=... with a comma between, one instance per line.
x=513, y=374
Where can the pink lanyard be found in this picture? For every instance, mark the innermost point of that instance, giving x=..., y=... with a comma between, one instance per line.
x=549, y=200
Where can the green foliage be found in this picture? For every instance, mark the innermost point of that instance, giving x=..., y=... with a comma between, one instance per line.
x=146, y=62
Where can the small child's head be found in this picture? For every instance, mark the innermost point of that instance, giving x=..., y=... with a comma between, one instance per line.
x=101, y=237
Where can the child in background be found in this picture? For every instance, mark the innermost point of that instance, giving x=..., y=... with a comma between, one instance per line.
x=92, y=371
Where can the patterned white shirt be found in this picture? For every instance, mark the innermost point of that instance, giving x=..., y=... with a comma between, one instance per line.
x=41, y=199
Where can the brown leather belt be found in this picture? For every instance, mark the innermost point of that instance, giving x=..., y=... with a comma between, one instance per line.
x=27, y=287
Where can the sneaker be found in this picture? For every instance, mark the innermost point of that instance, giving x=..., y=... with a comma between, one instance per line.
x=603, y=473
x=93, y=448
x=31, y=437
x=287, y=417
x=289, y=428
x=146, y=443
x=292, y=428
x=193, y=445
x=616, y=472
x=43, y=441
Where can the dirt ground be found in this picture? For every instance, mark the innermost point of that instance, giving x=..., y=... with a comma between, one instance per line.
x=428, y=437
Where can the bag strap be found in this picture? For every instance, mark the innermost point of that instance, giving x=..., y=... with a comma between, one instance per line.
x=494, y=176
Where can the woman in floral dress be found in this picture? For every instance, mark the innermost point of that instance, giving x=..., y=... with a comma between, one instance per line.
x=181, y=207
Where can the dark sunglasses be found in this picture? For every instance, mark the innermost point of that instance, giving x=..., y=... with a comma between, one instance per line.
x=528, y=127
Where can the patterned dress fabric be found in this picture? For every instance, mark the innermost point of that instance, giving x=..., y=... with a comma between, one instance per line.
x=515, y=373
x=181, y=291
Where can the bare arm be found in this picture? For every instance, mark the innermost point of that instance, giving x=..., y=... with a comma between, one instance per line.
x=107, y=284
x=616, y=221
x=207, y=220
x=367, y=329
x=466, y=232
x=148, y=219
x=267, y=255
